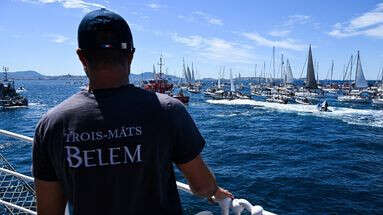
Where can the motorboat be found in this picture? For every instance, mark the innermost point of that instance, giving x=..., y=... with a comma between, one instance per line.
x=323, y=107
x=277, y=99
x=302, y=100
x=378, y=100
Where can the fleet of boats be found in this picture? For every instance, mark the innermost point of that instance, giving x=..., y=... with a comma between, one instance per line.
x=286, y=89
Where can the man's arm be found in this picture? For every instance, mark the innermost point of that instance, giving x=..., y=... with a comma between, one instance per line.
x=50, y=198
x=201, y=180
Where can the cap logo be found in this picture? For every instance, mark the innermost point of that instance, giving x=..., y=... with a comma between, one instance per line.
x=106, y=46
x=124, y=46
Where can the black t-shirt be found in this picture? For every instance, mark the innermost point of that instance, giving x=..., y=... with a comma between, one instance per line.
x=113, y=150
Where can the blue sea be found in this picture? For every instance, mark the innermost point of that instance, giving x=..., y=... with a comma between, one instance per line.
x=290, y=159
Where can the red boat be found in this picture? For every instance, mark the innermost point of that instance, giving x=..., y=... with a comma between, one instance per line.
x=161, y=85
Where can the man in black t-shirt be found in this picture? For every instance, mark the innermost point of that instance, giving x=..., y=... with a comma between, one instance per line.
x=110, y=149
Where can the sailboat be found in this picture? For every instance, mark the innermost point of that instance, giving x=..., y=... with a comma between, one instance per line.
x=276, y=96
x=193, y=87
x=355, y=96
x=378, y=99
x=236, y=91
x=289, y=78
x=330, y=88
x=310, y=91
x=217, y=88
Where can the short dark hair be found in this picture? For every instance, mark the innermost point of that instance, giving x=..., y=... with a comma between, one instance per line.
x=106, y=57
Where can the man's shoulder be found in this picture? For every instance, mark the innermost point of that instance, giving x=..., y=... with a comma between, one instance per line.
x=68, y=106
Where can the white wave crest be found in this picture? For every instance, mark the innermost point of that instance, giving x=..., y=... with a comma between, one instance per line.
x=367, y=117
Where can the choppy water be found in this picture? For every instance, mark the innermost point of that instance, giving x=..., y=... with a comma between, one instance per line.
x=290, y=159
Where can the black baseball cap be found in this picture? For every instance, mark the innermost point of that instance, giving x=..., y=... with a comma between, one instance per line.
x=104, y=29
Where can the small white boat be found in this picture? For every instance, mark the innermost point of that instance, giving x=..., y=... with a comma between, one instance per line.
x=241, y=95
x=323, y=107
x=308, y=94
x=277, y=99
x=302, y=100
x=193, y=90
x=353, y=99
x=20, y=89
x=378, y=101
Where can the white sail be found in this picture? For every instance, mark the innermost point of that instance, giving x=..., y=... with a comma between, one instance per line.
x=232, y=87
x=188, y=74
x=360, y=80
x=184, y=70
x=382, y=79
x=219, y=79
x=289, y=73
x=192, y=74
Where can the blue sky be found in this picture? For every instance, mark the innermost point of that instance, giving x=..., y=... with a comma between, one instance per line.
x=41, y=34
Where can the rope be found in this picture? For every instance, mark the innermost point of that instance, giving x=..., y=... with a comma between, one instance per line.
x=239, y=205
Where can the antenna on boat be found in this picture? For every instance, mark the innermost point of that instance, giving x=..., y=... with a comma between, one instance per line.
x=5, y=70
x=161, y=64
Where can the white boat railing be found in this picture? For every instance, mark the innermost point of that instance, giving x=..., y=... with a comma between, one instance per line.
x=235, y=205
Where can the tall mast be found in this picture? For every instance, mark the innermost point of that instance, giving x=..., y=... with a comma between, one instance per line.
x=264, y=69
x=317, y=71
x=357, y=66
x=382, y=78
x=273, y=62
x=219, y=78
x=282, y=63
x=255, y=72
x=332, y=70
x=351, y=65
x=161, y=63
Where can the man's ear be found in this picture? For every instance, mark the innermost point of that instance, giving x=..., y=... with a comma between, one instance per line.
x=130, y=57
x=82, y=57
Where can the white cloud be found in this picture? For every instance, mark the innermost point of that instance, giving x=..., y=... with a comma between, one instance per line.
x=297, y=19
x=215, y=21
x=217, y=49
x=285, y=44
x=57, y=38
x=368, y=24
x=197, y=16
x=279, y=33
x=81, y=4
x=191, y=41
x=154, y=6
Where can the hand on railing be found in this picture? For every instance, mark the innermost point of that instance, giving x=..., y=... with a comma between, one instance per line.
x=238, y=205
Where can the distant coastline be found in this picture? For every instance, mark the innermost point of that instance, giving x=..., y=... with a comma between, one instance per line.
x=34, y=75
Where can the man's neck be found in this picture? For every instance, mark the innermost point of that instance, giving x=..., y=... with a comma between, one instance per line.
x=109, y=79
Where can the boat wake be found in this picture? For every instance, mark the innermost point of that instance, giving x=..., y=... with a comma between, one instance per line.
x=349, y=115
